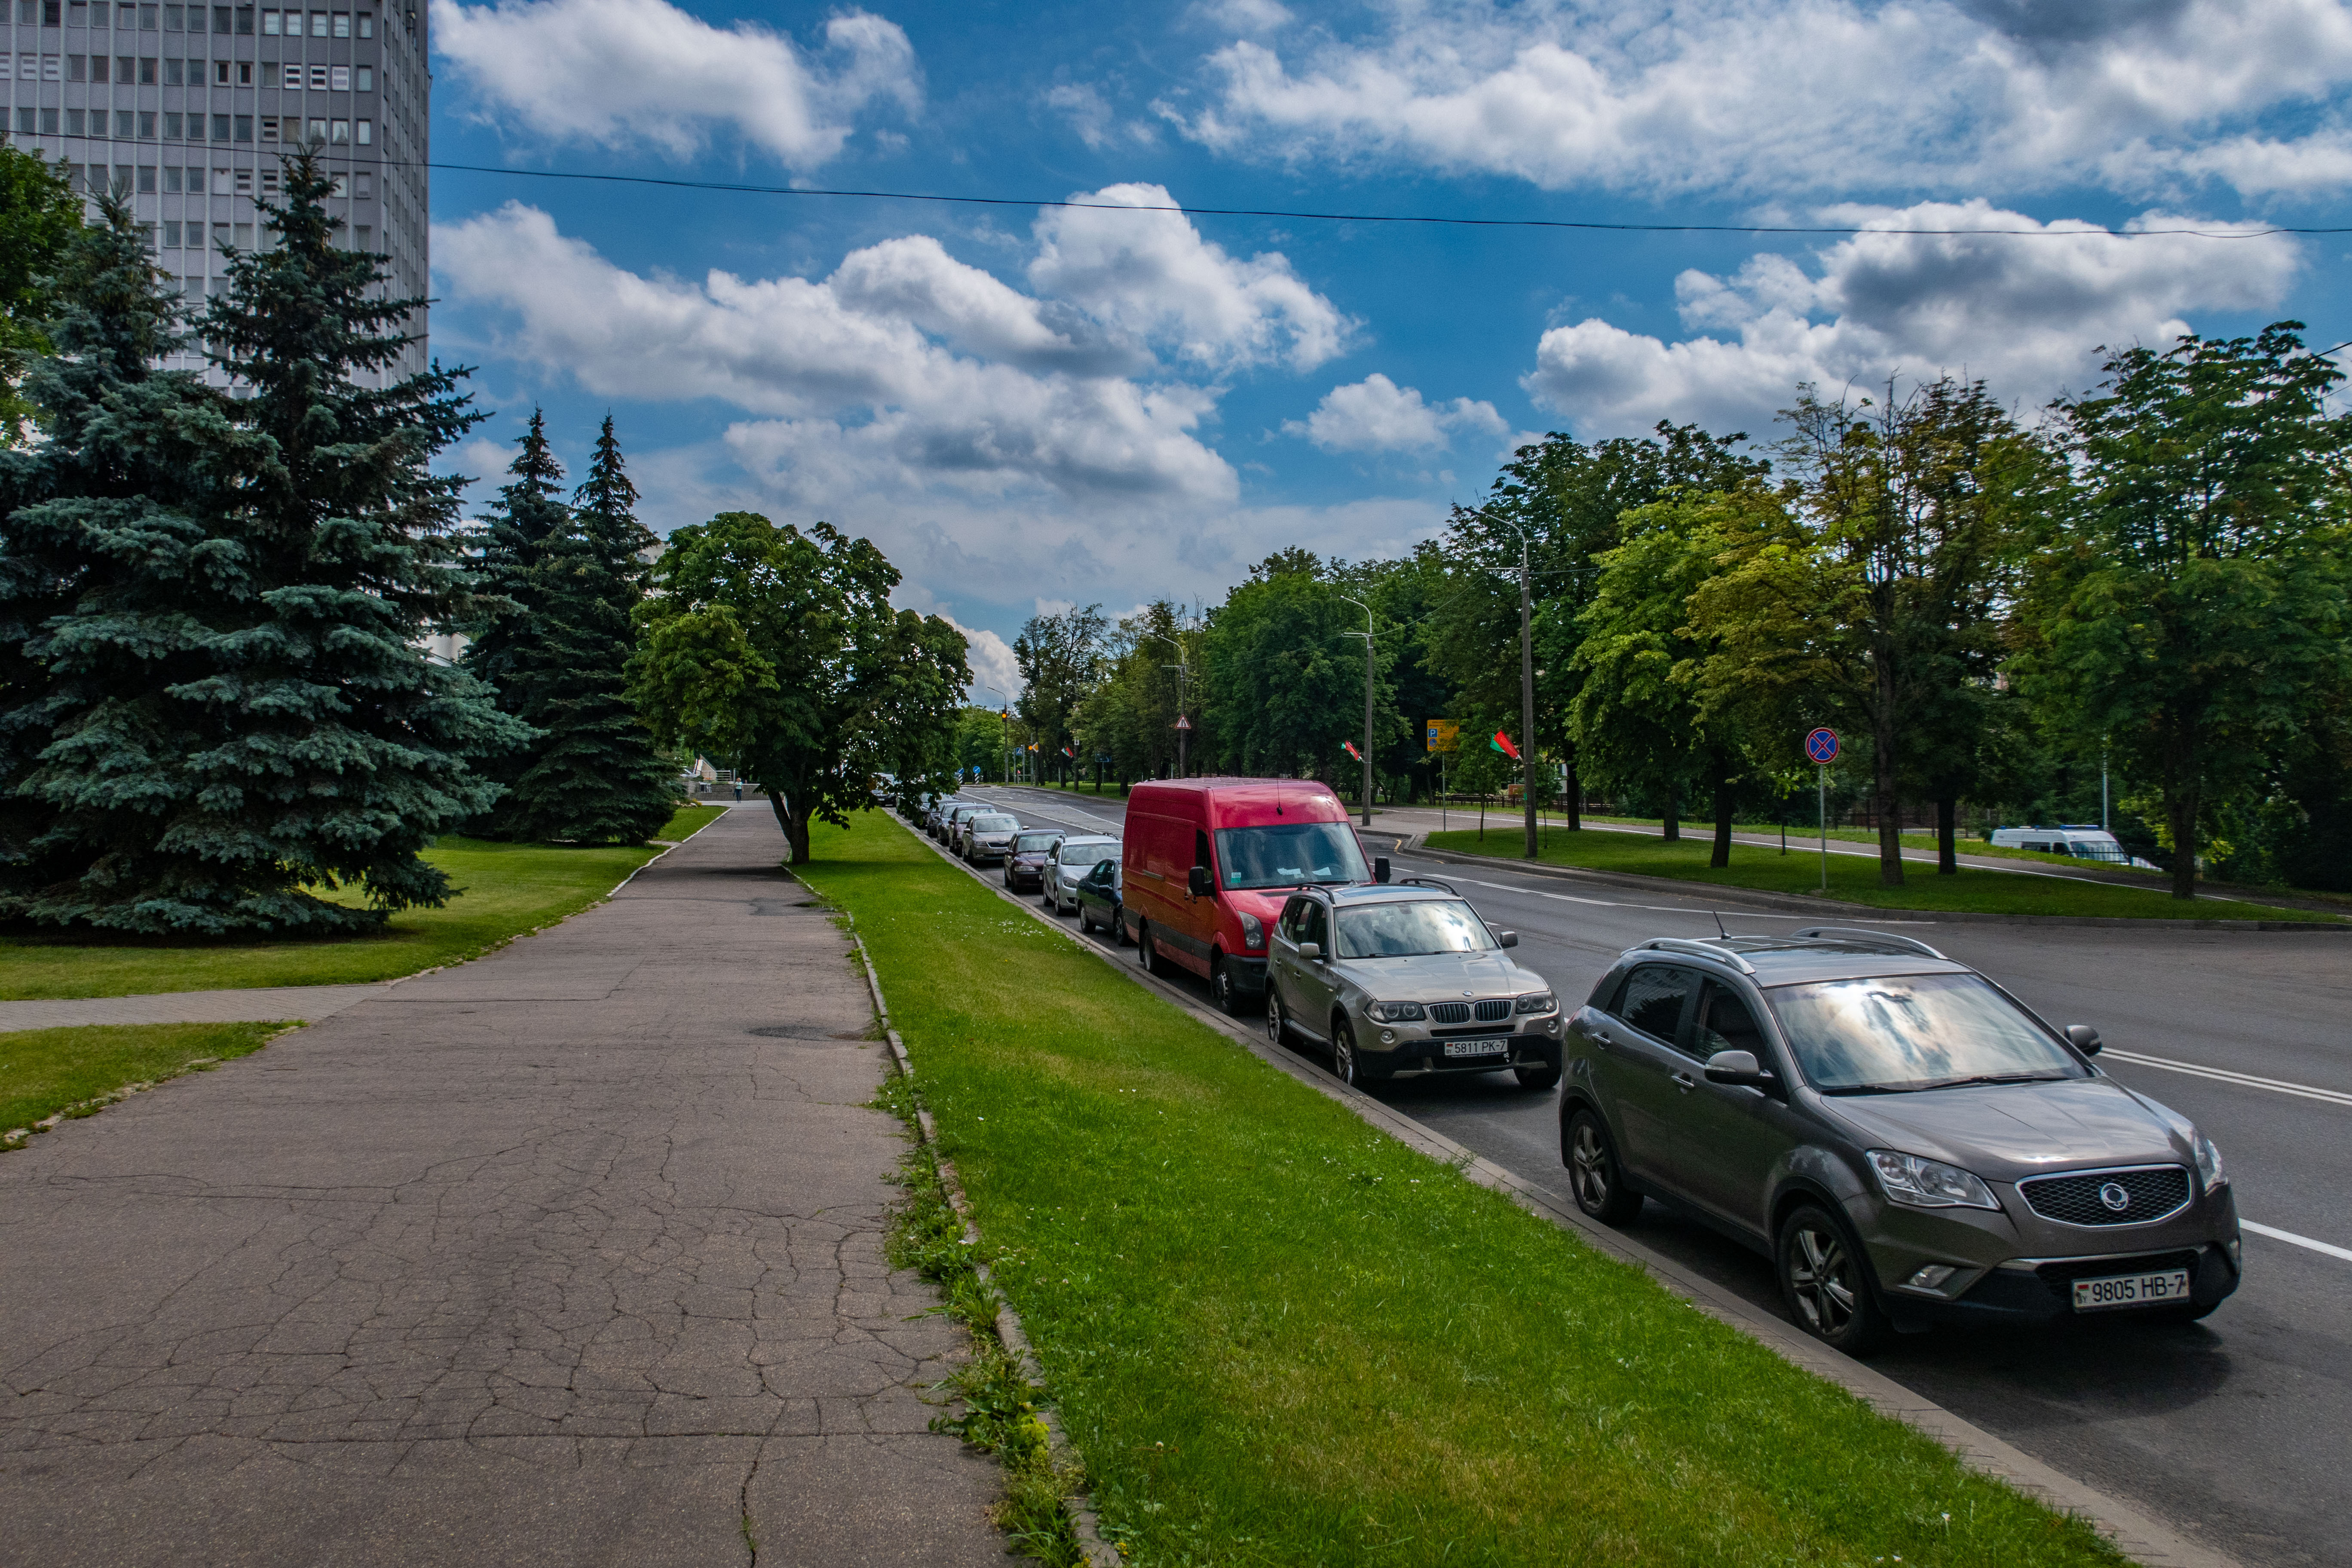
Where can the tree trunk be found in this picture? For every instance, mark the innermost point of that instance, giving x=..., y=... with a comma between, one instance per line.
x=2182, y=810
x=796, y=830
x=1575, y=797
x=1720, y=856
x=1947, y=848
x=1884, y=786
x=1674, y=834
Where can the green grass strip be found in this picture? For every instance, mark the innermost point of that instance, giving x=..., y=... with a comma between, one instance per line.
x=1279, y=1336
x=505, y=891
x=75, y=1072
x=1854, y=879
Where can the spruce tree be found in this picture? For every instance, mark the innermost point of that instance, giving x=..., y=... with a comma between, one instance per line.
x=566, y=580
x=316, y=748
x=109, y=576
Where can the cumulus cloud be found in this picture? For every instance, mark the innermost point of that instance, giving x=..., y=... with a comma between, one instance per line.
x=1376, y=415
x=2027, y=315
x=628, y=72
x=1811, y=97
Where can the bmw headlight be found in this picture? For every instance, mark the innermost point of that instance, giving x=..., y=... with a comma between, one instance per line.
x=1927, y=1184
x=1539, y=1002
x=1395, y=1012
x=1252, y=931
x=2210, y=1168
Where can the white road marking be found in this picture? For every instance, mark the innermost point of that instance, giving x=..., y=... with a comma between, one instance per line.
x=2333, y=1251
x=1734, y=911
x=2222, y=1075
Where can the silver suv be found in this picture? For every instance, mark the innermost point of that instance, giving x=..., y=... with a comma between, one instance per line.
x=1904, y=1140
x=1406, y=978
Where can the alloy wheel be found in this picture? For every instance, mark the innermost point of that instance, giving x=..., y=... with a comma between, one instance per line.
x=1587, y=1166
x=1343, y=1053
x=1821, y=1279
x=1276, y=1025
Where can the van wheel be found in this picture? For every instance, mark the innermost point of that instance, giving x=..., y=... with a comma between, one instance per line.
x=1221, y=987
x=1147, y=953
x=1825, y=1283
x=1594, y=1177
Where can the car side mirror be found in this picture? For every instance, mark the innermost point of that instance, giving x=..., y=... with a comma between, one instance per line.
x=1199, y=883
x=1738, y=1068
x=1379, y=868
x=2084, y=1039
x=1508, y=938
x=1310, y=950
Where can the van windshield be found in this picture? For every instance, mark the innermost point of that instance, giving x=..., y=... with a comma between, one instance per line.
x=1289, y=855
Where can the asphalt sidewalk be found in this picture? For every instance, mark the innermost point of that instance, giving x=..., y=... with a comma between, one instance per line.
x=569, y=1254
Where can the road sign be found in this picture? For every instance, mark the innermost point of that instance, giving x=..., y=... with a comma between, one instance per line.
x=1445, y=735
x=1182, y=722
x=1822, y=746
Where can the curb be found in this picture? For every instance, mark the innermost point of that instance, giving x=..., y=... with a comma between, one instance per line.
x=1411, y=844
x=2144, y=1540
x=1098, y=1552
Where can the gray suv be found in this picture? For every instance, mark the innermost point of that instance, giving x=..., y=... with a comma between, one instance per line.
x=1406, y=978
x=1905, y=1141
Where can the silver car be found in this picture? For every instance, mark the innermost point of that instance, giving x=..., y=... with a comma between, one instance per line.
x=1406, y=978
x=1073, y=856
x=986, y=835
x=1904, y=1140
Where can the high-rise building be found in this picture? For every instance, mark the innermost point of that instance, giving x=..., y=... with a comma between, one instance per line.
x=190, y=108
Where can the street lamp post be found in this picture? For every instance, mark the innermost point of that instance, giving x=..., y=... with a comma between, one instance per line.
x=1367, y=634
x=1527, y=677
x=1183, y=669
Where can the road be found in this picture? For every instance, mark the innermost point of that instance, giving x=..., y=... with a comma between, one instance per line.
x=2234, y=1430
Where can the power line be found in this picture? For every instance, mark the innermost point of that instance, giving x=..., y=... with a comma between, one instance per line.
x=1428, y=220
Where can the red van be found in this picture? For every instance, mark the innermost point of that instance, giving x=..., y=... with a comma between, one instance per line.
x=1208, y=862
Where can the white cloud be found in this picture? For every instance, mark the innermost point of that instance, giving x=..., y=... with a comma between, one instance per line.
x=1088, y=111
x=2027, y=315
x=1819, y=96
x=1376, y=415
x=1151, y=275
x=623, y=72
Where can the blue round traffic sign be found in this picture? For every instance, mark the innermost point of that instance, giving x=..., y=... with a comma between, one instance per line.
x=1822, y=746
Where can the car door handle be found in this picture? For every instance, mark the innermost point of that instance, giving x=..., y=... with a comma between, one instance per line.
x=1685, y=1082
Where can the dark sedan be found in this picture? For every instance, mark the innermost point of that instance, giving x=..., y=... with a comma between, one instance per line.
x=1099, y=902
x=1030, y=858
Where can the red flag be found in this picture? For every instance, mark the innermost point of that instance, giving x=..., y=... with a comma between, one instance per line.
x=1502, y=743
x=1349, y=747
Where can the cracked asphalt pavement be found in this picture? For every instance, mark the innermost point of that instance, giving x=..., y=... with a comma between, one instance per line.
x=573, y=1254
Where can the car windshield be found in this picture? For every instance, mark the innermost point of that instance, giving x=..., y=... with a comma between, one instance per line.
x=1289, y=854
x=1896, y=1033
x=1033, y=842
x=984, y=823
x=1406, y=930
x=1087, y=851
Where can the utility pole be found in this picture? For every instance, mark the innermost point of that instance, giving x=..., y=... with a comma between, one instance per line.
x=1526, y=677
x=1367, y=634
x=1183, y=668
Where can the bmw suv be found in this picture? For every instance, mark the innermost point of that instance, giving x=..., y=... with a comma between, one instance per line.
x=1907, y=1142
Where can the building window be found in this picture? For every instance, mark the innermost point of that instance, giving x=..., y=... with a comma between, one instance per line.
x=318, y=24
x=367, y=133
x=220, y=19
x=363, y=78
x=220, y=236
x=342, y=134
x=52, y=66
x=77, y=69
x=123, y=124
x=49, y=10
x=93, y=179
x=268, y=181
x=367, y=238
x=172, y=23
x=342, y=24
x=365, y=184
x=147, y=72
x=146, y=179
x=319, y=78
x=220, y=127
x=171, y=127
x=126, y=16
x=171, y=235
x=174, y=72
x=77, y=14
x=24, y=124
x=245, y=236
x=367, y=25
x=245, y=127
x=220, y=71
x=245, y=73
x=146, y=125
x=123, y=66
x=269, y=130
x=317, y=131
x=269, y=24
x=146, y=19
x=170, y=179
x=339, y=78
x=49, y=123
x=73, y=121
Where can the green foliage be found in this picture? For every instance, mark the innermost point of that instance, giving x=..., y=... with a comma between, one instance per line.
x=565, y=582
x=1130, y=714
x=38, y=216
x=1059, y=655
x=2194, y=616
x=780, y=649
x=1282, y=680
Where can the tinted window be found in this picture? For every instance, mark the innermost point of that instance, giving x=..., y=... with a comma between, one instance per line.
x=1401, y=931
x=1654, y=997
x=1288, y=854
x=1724, y=1024
x=1087, y=851
x=988, y=823
x=1294, y=918
x=1913, y=1031
x=1312, y=928
x=1031, y=842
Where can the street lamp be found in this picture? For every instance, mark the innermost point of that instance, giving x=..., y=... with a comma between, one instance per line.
x=1183, y=669
x=1526, y=677
x=1003, y=740
x=1367, y=634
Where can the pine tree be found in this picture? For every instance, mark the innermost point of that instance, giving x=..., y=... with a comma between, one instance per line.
x=512, y=547
x=109, y=578
x=318, y=748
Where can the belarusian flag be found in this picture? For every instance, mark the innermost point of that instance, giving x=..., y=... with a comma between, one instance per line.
x=1349, y=747
x=1502, y=742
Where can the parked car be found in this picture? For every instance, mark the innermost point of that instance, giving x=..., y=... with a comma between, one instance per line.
x=1407, y=979
x=987, y=836
x=1908, y=1142
x=1074, y=854
x=1208, y=863
x=1030, y=857
x=1098, y=899
x=951, y=830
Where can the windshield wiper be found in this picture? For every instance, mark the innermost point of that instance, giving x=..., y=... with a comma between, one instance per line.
x=1983, y=1078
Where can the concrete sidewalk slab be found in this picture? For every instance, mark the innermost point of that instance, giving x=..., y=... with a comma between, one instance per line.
x=259, y=1004
x=573, y=1254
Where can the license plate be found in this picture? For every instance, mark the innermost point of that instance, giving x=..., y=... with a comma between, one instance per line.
x=2131, y=1290
x=1477, y=1048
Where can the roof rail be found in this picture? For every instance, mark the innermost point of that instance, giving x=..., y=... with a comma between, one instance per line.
x=1704, y=949
x=1878, y=938
x=1424, y=882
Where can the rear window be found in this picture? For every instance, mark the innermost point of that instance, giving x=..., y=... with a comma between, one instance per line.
x=987, y=823
x=1087, y=851
x=1031, y=843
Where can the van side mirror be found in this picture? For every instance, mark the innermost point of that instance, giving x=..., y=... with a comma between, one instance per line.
x=1310, y=950
x=1379, y=868
x=1738, y=1068
x=2084, y=1039
x=1198, y=882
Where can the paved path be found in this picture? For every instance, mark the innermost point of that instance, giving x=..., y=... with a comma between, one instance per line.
x=546, y=1258
x=255, y=1004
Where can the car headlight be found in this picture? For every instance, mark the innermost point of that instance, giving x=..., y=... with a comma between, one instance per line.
x=2210, y=1168
x=1252, y=931
x=1394, y=1012
x=1539, y=1002
x=1929, y=1183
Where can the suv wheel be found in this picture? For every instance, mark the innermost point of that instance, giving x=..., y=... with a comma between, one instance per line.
x=1538, y=1074
x=1594, y=1173
x=1344, y=1065
x=1277, y=1027
x=1825, y=1284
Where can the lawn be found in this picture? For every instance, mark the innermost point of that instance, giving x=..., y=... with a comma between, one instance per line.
x=1277, y=1336
x=1854, y=879
x=505, y=892
x=43, y=1072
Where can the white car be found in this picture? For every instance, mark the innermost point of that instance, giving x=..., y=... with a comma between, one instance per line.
x=1073, y=856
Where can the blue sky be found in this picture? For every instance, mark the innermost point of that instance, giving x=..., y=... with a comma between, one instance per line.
x=1029, y=408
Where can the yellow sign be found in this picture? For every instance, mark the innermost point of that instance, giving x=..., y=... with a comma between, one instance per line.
x=1445, y=735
